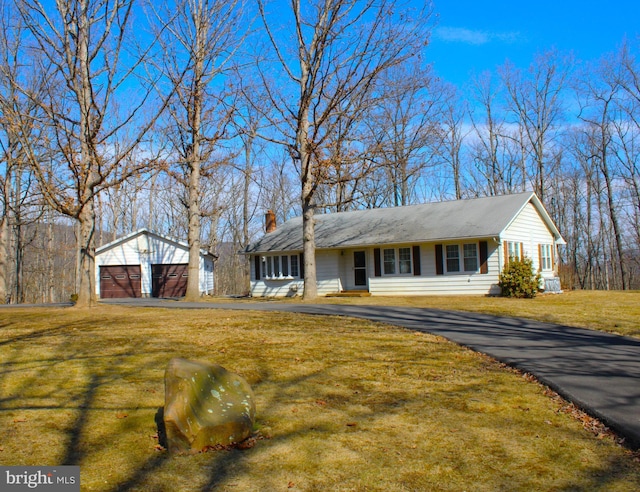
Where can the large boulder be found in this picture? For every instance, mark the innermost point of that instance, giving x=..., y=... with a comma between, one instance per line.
x=205, y=406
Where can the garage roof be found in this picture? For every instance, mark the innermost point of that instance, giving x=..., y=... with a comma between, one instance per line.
x=144, y=231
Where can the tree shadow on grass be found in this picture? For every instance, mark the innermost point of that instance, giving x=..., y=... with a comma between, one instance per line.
x=54, y=369
x=222, y=466
x=73, y=449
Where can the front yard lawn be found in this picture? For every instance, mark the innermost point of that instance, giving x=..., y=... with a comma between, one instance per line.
x=342, y=404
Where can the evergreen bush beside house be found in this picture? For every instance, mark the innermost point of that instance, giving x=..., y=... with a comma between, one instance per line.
x=519, y=280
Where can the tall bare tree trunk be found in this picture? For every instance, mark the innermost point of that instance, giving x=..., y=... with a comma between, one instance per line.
x=193, y=282
x=309, y=242
x=4, y=257
x=50, y=259
x=87, y=254
x=246, y=187
x=613, y=215
x=307, y=173
x=194, y=163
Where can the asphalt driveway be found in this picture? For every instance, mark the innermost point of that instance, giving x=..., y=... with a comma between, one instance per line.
x=597, y=371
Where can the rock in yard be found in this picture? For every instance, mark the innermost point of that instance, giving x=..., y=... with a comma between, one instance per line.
x=205, y=405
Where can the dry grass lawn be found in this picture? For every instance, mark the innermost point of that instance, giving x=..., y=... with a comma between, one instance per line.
x=612, y=311
x=343, y=405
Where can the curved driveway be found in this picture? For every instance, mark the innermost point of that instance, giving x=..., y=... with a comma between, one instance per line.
x=597, y=371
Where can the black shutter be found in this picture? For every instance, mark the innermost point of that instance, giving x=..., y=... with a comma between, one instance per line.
x=301, y=265
x=439, y=269
x=484, y=266
x=416, y=260
x=376, y=263
x=256, y=265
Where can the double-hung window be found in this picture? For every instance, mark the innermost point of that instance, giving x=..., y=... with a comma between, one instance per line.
x=397, y=261
x=404, y=260
x=465, y=262
x=453, y=258
x=295, y=271
x=389, y=261
x=514, y=251
x=470, y=257
x=546, y=258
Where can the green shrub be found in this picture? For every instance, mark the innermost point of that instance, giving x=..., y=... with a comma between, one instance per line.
x=518, y=279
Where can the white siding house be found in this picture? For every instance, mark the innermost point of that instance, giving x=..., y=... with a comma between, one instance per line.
x=456, y=247
x=146, y=264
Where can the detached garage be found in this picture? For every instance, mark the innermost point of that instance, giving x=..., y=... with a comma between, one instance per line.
x=146, y=264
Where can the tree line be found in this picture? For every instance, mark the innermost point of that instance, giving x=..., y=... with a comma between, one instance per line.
x=194, y=117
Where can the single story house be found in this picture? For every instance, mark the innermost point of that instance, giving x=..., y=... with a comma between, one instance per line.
x=453, y=247
x=146, y=264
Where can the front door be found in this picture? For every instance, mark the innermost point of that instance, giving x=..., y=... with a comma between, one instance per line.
x=360, y=268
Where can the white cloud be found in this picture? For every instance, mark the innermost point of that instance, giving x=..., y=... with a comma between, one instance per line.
x=471, y=36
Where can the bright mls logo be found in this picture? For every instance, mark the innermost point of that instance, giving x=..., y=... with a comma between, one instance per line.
x=48, y=478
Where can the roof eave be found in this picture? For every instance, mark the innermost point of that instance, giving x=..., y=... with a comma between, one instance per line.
x=495, y=236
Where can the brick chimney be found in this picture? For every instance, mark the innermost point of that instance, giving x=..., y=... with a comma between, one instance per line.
x=269, y=221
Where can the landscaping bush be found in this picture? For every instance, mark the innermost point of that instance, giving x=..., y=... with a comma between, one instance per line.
x=518, y=279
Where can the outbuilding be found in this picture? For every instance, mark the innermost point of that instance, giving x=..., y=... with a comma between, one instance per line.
x=454, y=247
x=146, y=264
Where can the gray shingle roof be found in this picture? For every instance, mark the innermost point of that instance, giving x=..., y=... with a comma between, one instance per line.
x=474, y=218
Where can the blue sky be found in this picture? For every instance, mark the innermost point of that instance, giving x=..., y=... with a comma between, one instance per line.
x=473, y=36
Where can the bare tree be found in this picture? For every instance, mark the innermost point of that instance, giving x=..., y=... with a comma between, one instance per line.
x=601, y=89
x=250, y=122
x=83, y=44
x=341, y=47
x=535, y=99
x=122, y=208
x=452, y=137
x=21, y=202
x=199, y=42
x=490, y=129
x=628, y=131
x=344, y=161
x=405, y=127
